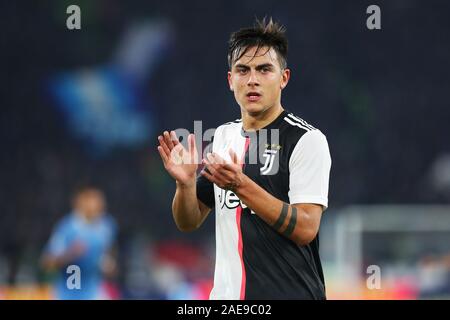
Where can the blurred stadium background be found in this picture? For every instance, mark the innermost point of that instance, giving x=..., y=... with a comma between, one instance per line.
x=86, y=106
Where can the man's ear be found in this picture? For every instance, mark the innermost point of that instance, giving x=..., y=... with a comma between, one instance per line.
x=230, y=84
x=286, y=75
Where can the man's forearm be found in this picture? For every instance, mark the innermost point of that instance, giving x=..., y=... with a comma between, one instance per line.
x=298, y=222
x=52, y=262
x=185, y=208
x=278, y=214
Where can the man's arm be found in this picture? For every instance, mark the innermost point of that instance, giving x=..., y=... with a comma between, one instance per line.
x=108, y=264
x=188, y=211
x=298, y=222
x=309, y=167
x=52, y=260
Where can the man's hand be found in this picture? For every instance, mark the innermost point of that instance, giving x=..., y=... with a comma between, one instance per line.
x=228, y=176
x=180, y=163
x=75, y=251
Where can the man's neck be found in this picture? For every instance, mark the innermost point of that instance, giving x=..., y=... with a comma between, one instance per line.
x=253, y=122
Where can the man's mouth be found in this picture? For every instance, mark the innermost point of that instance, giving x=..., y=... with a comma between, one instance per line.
x=253, y=96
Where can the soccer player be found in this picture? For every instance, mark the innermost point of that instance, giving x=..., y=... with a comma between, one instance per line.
x=267, y=211
x=83, y=238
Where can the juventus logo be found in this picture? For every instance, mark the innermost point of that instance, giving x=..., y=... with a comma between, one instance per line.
x=269, y=156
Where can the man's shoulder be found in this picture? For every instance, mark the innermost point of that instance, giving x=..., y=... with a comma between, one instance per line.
x=298, y=132
x=108, y=221
x=297, y=124
x=65, y=223
x=230, y=126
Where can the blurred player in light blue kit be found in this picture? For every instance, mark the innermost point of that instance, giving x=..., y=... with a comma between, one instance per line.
x=83, y=238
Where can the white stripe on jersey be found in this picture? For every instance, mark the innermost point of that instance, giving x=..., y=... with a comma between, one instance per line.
x=228, y=275
x=297, y=119
x=296, y=124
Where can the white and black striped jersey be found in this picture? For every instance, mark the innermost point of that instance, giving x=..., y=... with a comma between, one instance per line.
x=253, y=260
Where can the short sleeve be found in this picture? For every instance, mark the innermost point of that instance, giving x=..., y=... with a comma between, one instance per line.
x=111, y=229
x=309, y=170
x=205, y=191
x=58, y=242
x=205, y=188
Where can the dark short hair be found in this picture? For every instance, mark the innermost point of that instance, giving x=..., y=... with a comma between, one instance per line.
x=263, y=34
x=84, y=188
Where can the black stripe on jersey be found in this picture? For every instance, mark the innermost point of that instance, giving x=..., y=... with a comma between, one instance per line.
x=300, y=121
x=205, y=190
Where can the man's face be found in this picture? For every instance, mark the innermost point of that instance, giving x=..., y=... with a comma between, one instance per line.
x=257, y=80
x=90, y=204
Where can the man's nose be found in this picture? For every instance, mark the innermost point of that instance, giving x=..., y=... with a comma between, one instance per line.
x=253, y=78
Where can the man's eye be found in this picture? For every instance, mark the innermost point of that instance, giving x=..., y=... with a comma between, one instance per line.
x=242, y=71
x=264, y=70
